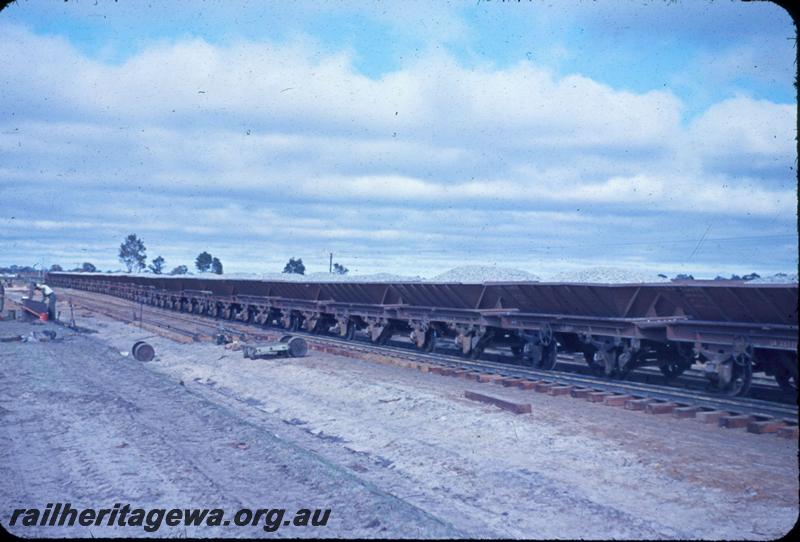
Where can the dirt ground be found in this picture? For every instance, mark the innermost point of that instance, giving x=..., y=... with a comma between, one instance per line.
x=392, y=451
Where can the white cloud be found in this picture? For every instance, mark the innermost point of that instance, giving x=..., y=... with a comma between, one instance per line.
x=218, y=141
x=742, y=125
x=296, y=90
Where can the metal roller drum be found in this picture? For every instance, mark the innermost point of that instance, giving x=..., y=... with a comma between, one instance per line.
x=143, y=351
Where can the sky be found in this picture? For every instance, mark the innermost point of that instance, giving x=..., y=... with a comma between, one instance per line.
x=405, y=137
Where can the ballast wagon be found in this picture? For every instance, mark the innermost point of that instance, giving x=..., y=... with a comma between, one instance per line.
x=733, y=328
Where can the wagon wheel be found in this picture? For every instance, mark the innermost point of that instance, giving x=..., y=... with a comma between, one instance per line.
x=602, y=363
x=481, y=342
x=290, y=323
x=741, y=375
x=786, y=374
x=384, y=336
x=610, y=365
x=588, y=356
x=787, y=381
x=628, y=362
x=350, y=333
x=478, y=347
x=546, y=335
x=321, y=326
x=430, y=340
x=549, y=356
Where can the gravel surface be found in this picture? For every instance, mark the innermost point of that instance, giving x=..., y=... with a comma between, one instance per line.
x=322, y=277
x=384, y=436
x=286, y=277
x=608, y=275
x=483, y=273
x=83, y=424
x=781, y=278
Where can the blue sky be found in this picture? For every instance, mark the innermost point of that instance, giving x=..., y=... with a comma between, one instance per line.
x=404, y=136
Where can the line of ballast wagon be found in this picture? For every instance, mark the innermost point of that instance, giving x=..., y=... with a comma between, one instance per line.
x=733, y=329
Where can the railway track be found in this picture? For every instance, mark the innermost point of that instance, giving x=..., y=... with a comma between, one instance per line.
x=188, y=328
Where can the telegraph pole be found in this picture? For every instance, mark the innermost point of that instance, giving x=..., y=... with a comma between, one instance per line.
x=330, y=264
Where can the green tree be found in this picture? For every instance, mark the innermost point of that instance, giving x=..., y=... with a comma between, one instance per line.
x=88, y=267
x=295, y=266
x=55, y=268
x=340, y=269
x=132, y=253
x=180, y=270
x=203, y=262
x=157, y=265
x=216, y=266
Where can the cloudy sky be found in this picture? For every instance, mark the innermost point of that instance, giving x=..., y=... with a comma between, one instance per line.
x=404, y=136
